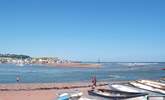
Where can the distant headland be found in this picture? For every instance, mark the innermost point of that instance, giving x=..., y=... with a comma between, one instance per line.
x=21, y=60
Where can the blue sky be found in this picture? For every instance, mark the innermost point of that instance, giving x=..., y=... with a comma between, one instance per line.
x=112, y=30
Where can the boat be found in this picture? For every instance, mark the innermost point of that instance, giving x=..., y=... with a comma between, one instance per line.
x=64, y=96
x=20, y=64
x=75, y=96
x=162, y=80
x=155, y=97
x=146, y=87
x=125, y=88
x=83, y=98
x=115, y=95
x=70, y=96
x=153, y=84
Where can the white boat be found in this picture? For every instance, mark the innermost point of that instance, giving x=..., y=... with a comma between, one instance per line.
x=125, y=88
x=70, y=96
x=75, y=96
x=150, y=84
x=162, y=81
x=114, y=94
x=156, y=97
x=146, y=87
x=82, y=98
x=64, y=96
x=153, y=84
x=21, y=64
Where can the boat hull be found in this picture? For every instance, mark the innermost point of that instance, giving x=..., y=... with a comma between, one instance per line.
x=146, y=87
x=153, y=84
x=126, y=88
x=115, y=95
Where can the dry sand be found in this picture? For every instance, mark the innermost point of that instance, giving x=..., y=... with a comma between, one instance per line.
x=42, y=91
x=50, y=91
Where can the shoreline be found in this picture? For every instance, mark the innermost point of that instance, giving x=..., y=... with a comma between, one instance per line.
x=46, y=86
x=52, y=86
x=66, y=65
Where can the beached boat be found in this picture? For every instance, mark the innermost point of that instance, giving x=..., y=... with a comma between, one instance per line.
x=162, y=80
x=146, y=87
x=82, y=98
x=115, y=95
x=70, y=96
x=153, y=84
x=64, y=96
x=125, y=88
x=75, y=96
x=156, y=97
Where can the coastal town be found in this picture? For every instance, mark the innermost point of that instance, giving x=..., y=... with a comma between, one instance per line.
x=24, y=59
x=21, y=60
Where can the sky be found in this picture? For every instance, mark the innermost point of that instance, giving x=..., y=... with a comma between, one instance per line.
x=112, y=30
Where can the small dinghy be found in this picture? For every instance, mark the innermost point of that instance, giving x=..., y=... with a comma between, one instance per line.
x=70, y=96
x=146, y=87
x=125, y=88
x=64, y=96
x=115, y=95
x=85, y=99
x=75, y=96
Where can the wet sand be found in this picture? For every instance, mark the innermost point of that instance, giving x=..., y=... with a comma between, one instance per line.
x=78, y=65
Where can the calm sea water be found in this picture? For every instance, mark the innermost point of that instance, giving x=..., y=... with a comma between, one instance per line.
x=109, y=72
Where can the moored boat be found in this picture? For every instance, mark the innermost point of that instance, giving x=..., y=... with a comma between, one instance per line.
x=147, y=87
x=115, y=95
x=20, y=64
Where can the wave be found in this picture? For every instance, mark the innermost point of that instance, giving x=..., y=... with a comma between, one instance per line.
x=114, y=76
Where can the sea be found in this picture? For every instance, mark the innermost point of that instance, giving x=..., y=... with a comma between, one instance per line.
x=112, y=71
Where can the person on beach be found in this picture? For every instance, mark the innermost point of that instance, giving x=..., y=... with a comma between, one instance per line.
x=94, y=82
x=17, y=79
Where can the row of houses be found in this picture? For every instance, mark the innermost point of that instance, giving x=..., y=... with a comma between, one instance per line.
x=42, y=60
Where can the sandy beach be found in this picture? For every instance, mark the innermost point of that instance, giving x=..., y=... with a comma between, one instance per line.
x=51, y=91
x=43, y=91
x=78, y=65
